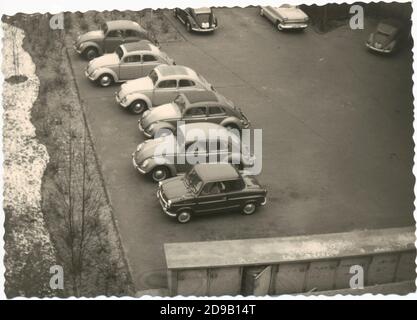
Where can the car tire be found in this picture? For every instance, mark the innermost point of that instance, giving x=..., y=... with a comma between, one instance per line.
x=138, y=106
x=160, y=173
x=90, y=53
x=249, y=208
x=105, y=80
x=188, y=26
x=184, y=216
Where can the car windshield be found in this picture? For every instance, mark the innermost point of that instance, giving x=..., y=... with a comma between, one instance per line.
x=119, y=52
x=180, y=103
x=193, y=181
x=154, y=76
x=104, y=28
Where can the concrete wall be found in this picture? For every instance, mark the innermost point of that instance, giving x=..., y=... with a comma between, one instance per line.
x=290, y=265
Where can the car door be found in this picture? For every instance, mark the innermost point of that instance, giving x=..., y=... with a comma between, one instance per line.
x=130, y=67
x=212, y=198
x=195, y=114
x=234, y=194
x=149, y=62
x=164, y=92
x=188, y=156
x=112, y=40
x=215, y=113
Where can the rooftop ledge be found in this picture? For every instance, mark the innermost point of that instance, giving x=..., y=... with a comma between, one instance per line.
x=262, y=251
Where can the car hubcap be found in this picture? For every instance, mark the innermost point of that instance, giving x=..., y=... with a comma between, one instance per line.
x=249, y=208
x=137, y=107
x=105, y=81
x=159, y=174
x=91, y=54
x=184, y=217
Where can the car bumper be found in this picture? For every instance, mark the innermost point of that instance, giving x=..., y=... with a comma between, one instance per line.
x=288, y=26
x=145, y=133
x=164, y=208
x=378, y=49
x=119, y=101
x=197, y=29
x=135, y=165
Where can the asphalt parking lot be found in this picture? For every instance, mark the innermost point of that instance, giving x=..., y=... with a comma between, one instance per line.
x=337, y=136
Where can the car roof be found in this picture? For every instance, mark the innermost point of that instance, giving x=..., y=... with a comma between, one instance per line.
x=167, y=71
x=124, y=24
x=143, y=45
x=201, y=96
x=202, y=10
x=210, y=172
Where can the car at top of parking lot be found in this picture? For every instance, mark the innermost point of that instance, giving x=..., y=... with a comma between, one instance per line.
x=112, y=34
x=191, y=107
x=170, y=155
x=285, y=17
x=389, y=35
x=162, y=85
x=129, y=61
x=198, y=19
x=210, y=188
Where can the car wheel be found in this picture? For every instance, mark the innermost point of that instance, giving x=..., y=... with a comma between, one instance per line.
x=105, y=80
x=184, y=216
x=160, y=173
x=188, y=27
x=138, y=106
x=249, y=208
x=90, y=53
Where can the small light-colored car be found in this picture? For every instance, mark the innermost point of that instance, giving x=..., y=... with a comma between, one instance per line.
x=162, y=85
x=170, y=155
x=209, y=189
x=129, y=61
x=387, y=37
x=285, y=17
x=198, y=106
x=198, y=20
x=112, y=34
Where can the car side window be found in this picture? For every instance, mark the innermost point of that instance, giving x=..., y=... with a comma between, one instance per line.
x=149, y=58
x=186, y=83
x=167, y=84
x=131, y=59
x=233, y=185
x=214, y=111
x=213, y=188
x=115, y=34
x=196, y=112
x=131, y=33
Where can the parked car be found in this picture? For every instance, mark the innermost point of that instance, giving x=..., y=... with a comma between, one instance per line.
x=388, y=36
x=210, y=188
x=129, y=61
x=199, y=20
x=192, y=107
x=168, y=156
x=112, y=34
x=285, y=17
x=161, y=86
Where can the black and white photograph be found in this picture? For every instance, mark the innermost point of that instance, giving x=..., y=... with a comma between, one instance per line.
x=189, y=149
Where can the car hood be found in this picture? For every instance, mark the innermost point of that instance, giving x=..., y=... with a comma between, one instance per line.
x=292, y=14
x=103, y=61
x=175, y=189
x=92, y=35
x=141, y=84
x=153, y=148
x=165, y=112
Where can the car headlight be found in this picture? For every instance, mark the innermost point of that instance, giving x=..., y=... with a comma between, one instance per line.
x=145, y=163
x=81, y=46
x=124, y=100
x=149, y=128
x=169, y=202
x=139, y=147
x=146, y=113
x=94, y=73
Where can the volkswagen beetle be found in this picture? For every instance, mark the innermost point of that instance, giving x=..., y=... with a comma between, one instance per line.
x=112, y=34
x=198, y=20
x=208, y=189
x=192, y=107
x=129, y=61
x=161, y=86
